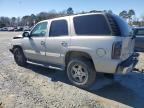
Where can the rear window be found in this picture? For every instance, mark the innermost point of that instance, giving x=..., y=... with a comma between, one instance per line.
x=123, y=26
x=140, y=32
x=91, y=25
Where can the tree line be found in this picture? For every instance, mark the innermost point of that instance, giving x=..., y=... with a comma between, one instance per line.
x=30, y=20
x=130, y=17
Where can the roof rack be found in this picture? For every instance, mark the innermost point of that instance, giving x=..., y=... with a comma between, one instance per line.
x=95, y=11
x=92, y=11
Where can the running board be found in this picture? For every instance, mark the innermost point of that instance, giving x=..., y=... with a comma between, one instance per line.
x=48, y=65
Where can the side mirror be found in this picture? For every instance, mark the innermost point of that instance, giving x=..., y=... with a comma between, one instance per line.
x=26, y=34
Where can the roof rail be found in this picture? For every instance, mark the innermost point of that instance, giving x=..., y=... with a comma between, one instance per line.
x=93, y=11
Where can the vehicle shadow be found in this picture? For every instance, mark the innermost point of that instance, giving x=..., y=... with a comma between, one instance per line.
x=122, y=94
x=53, y=74
x=122, y=89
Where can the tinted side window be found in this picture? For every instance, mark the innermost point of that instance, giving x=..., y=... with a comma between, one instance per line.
x=58, y=28
x=91, y=25
x=140, y=32
x=40, y=29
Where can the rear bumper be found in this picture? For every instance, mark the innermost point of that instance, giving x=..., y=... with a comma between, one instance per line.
x=127, y=65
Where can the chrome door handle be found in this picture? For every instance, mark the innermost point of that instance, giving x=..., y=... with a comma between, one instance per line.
x=42, y=43
x=64, y=44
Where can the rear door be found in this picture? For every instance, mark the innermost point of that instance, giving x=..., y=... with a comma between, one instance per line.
x=139, y=42
x=58, y=41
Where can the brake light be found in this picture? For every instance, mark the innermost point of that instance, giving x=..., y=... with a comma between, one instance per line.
x=116, y=50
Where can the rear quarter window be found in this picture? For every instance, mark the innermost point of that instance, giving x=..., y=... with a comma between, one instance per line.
x=125, y=29
x=91, y=25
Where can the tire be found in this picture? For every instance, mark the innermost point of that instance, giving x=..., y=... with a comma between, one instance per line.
x=19, y=57
x=81, y=72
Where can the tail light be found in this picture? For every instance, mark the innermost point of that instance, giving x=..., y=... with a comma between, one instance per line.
x=116, y=50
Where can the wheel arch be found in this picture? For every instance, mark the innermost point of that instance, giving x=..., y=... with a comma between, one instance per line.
x=78, y=54
x=17, y=46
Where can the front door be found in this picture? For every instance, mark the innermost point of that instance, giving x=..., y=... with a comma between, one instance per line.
x=34, y=46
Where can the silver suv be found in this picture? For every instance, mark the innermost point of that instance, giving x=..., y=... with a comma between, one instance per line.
x=81, y=44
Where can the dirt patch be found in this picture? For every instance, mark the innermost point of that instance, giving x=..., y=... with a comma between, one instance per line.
x=140, y=64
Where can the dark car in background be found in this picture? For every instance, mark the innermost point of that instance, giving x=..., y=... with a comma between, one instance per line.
x=19, y=29
x=139, y=41
x=16, y=29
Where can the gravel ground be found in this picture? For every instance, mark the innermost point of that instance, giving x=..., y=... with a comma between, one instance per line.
x=40, y=87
